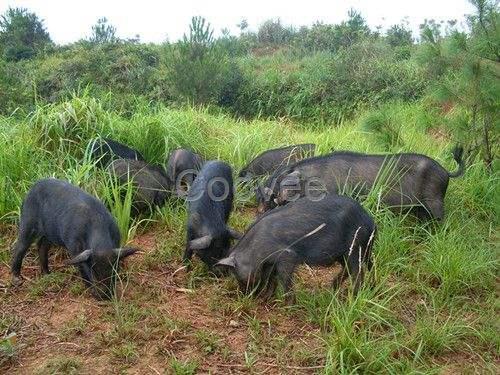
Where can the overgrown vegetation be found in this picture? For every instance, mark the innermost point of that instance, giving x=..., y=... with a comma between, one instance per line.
x=433, y=305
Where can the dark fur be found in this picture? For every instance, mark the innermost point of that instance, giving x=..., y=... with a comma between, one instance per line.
x=151, y=185
x=209, y=217
x=58, y=213
x=268, y=161
x=183, y=160
x=419, y=183
x=105, y=150
x=274, y=245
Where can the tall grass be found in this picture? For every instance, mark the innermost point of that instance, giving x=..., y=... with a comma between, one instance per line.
x=434, y=285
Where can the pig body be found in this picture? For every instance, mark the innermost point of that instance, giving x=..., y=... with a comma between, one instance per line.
x=58, y=213
x=150, y=182
x=411, y=181
x=316, y=233
x=105, y=150
x=268, y=161
x=210, y=201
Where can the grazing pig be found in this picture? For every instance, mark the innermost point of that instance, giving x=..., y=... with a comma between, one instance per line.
x=105, y=150
x=268, y=161
x=411, y=181
x=182, y=168
x=58, y=213
x=210, y=201
x=316, y=233
x=150, y=182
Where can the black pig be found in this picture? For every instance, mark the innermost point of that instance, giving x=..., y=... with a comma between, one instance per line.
x=105, y=150
x=182, y=167
x=316, y=233
x=411, y=181
x=150, y=182
x=210, y=201
x=58, y=213
x=268, y=161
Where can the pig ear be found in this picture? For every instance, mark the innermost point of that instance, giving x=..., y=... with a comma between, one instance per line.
x=294, y=174
x=200, y=243
x=228, y=262
x=234, y=234
x=80, y=258
x=123, y=252
x=268, y=193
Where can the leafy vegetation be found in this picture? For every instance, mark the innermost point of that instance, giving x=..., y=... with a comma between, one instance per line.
x=22, y=35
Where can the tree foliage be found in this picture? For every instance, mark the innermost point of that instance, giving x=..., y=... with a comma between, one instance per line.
x=399, y=36
x=470, y=71
x=273, y=32
x=325, y=37
x=22, y=35
x=198, y=65
x=103, y=32
x=319, y=74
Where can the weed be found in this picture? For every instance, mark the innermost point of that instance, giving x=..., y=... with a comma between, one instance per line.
x=59, y=366
x=208, y=341
x=179, y=367
x=46, y=284
x=74, y=327
x=7, y=348
x=126, y=351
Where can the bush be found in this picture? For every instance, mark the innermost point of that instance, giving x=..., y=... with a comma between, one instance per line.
x=22, y=35
x=272, y=32
x=198, y=67
x=14, y=90
x=383, y=127
x=325, y=87
x=124, y=68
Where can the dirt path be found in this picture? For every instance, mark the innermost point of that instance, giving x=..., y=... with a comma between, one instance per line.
x=163, y=324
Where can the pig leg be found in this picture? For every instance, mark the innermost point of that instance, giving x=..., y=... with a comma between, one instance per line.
x=270, y=289
x=43, y=255
x=270, y=283
x=26, y=237
x=285, y=268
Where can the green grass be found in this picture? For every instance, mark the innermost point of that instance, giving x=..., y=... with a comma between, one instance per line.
x=7, y=348
x=60, y=365
x=51, y=283
x=125, y=352
x=179, y=367
x=431, y=298
x=74, y=327
x=209, y=342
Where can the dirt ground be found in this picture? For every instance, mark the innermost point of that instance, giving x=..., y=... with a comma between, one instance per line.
x=160, y=322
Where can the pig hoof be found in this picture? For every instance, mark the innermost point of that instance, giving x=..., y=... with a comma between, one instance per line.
x=16, y=281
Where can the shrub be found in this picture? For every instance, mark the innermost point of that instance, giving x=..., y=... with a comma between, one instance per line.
x=14, y=91
x=197, y=65
x=22, y=34
x=326, y=87
x=272, y=32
